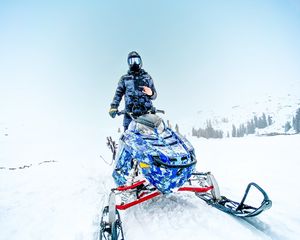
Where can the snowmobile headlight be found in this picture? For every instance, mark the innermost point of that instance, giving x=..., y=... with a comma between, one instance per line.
x=144, y=165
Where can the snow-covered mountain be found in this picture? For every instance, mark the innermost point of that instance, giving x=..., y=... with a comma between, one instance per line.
x=280, y=109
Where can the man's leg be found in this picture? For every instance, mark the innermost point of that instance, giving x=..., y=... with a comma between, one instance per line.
x=127, y=120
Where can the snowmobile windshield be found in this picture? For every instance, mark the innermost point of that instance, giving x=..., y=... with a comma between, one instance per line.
x=146, y=124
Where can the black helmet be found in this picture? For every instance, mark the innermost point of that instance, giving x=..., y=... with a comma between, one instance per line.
x=134, y=61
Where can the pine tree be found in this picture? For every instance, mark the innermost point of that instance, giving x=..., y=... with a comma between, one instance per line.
x=209, y=129
x=194, y=132
x=287, y=126
x=264, y=121
x=270, y=121
x=243, y=130
x=168, y=124
x=176, y=128
x=255, y=122
x=250, y=127
x=240, y=132
x=296, y=121
x=233, y=131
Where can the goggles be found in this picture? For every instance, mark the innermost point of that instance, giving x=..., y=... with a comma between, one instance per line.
x=134, y=60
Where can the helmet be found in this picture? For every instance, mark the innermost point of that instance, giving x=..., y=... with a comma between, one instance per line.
x=134, y=61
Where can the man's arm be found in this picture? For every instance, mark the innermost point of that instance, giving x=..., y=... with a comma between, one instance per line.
x=120, y=91
x=151, y=85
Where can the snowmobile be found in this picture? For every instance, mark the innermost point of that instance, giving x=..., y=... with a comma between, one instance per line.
x=152, y=160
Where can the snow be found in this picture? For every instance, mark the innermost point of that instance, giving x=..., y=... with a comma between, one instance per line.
x=62, y=193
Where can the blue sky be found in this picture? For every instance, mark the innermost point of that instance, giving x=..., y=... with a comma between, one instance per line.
x=60, y=61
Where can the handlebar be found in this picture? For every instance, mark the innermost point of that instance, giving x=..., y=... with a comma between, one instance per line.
x=153, y=111
x=160, y=111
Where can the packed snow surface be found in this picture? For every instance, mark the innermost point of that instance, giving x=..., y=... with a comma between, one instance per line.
x=55, y=190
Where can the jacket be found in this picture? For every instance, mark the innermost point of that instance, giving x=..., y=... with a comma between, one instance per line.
x=130, y=86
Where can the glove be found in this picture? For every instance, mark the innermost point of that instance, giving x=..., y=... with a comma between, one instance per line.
x=113, y=112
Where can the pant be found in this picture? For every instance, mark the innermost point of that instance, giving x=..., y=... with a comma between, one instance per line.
x=126, y=121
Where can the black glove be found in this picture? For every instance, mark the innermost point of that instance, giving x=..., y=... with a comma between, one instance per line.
x=113, y=112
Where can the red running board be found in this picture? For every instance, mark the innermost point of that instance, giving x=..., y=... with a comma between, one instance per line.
x=140, y=200
x=196, y=189
x=154, y=194
x=134, y=185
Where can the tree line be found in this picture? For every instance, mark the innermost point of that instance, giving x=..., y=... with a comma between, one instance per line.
x=251, y=125
x=208, y=132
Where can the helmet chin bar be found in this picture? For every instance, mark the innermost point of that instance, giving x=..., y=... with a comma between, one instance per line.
x=135, y=67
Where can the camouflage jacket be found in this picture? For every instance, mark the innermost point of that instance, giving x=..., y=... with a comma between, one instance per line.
x=130, y=86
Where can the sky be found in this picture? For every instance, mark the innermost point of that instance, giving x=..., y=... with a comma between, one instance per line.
x=60, y=61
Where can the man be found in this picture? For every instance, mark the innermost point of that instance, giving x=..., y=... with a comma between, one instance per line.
x=138, y=88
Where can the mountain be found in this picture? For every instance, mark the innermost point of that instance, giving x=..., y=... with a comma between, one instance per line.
x=277, y=111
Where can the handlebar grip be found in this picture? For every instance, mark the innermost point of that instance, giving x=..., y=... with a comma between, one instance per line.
x=160, y=111
x=121, y=112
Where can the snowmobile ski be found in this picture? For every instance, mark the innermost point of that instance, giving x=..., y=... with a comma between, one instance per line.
x=110, y=224
x=111, y=231
x=239, y=209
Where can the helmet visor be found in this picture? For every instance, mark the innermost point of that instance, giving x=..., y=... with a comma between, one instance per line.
x=134, y=60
